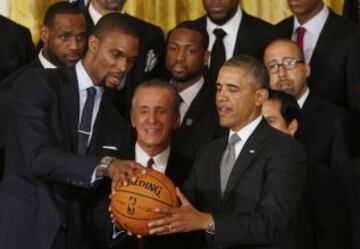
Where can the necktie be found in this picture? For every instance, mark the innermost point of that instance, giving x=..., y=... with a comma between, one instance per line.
x=218, y=55
x=300, y=32
x=85, y=121
x=150, y=163
x=227, y=161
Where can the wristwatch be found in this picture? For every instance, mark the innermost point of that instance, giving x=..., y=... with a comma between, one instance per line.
x=104, y=164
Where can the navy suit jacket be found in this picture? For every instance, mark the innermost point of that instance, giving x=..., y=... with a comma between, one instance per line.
x=43, y=174
x=262, y=193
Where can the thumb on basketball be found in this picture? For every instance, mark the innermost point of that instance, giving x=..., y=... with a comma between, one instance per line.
x=182, y=198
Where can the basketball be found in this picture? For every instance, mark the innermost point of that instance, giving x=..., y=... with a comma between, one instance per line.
x=133, y=205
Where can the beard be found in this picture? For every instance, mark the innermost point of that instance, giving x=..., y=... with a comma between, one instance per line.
x=186, y=78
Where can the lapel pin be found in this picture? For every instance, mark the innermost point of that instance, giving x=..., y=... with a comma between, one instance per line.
x=252, y=151
x=189, y=122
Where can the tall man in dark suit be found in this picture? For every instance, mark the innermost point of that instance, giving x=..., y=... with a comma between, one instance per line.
x=16, y=47
x=331, y=44
x=59, y=125
x=154, y=115
x=186, y=60
x=63, y=39
x=322, y=218
x=245, y=187
x=150, y=62
x=323, y=124
x=232, y=32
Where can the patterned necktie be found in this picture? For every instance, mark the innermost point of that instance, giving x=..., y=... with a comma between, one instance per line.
x=300, y=32
x=227, y=161
x=218, y=55
x=84, y=130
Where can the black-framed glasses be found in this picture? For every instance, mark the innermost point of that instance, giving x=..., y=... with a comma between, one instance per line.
x=288, y=63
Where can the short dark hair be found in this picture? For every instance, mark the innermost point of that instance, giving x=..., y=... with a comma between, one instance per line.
x=257, y=72
x=289, y=107
x=60, y=8
x=116, y=22
x=191, y=25
x=159, y=83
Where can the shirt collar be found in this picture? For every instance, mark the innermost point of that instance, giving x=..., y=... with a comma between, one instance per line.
x=228, y=27
x=303, y=98
x=84, y=79
x=247, y=130
x=95, y=15
x=189, y=94
x=316, y=23
x=160, y=160
x=45, y=62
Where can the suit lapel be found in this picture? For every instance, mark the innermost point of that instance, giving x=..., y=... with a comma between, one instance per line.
x=71, y=102
x=251, y=149
x=327, y=34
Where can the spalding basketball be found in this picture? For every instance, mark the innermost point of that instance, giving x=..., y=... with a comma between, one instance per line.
x=133, y=205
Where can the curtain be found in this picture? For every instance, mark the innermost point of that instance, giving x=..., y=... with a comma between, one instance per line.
x=165, y=13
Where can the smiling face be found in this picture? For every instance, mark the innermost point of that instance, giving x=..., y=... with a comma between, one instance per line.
x=291, y=81
x=64, y=40
x=238, y=99
x=220, y=11
x=186, y=56
x=154, y=117
x=109, y=59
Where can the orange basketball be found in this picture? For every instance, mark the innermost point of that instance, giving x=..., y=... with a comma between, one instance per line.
x=133, y=205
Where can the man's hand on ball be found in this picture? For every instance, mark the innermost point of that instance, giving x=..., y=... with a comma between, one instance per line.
x=124, y=171
x=185, y=218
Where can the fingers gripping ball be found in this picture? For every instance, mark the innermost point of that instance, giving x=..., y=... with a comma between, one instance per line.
x=133, y=205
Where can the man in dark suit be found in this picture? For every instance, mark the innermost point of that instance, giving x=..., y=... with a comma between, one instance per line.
x=244, y=34
x=63, y=39
x=154, y=115
x=322, y=218
x=245, y=189
x=186, y=59
x=16, y=47
x=150, y=62
x=323, y=124
x=59, y=125
x=331, y=45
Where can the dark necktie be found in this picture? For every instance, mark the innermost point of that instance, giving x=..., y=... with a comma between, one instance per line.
x=150, y=163
x=218, y=55
x=300, y=32
x=85, y=121
x=227, y=161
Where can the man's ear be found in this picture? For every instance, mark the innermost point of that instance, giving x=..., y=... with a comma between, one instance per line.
x=293, y=127
x=261, y=96
x=93, y=43
x=44, y=35
x=206, y=58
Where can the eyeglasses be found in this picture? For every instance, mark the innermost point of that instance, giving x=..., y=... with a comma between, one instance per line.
x=288, y=63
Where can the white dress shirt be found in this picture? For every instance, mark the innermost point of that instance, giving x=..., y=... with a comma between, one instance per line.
x=302, y=99
x=244, y=134
x=188, y=95
x=84, y=81
x=160, y=160
x=95, y=15
x=313, y=29
x=231, y=28
x=45, y=62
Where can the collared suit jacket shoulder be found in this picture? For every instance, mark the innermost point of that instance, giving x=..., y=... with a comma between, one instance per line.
x=42, y=170
x=262, y=193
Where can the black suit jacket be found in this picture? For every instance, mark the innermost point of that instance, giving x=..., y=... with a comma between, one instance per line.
x=200, y=125
x=261, y=195
x=43, y=173
x=335, y=75
x=16, y=47
x=5, y=95
x=323, y=213
x=99, y=223
x=322, y=131
x=150, y=62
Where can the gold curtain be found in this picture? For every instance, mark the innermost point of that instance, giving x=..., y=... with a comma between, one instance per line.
x=165, y=13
